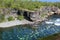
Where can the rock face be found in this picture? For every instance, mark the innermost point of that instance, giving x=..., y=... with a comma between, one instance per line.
x=42, y=13
x=8, y=12
x=37, y=15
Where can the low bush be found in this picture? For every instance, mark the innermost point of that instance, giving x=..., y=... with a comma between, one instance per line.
x=20, y=17
x=2, y=18
x=10, y=18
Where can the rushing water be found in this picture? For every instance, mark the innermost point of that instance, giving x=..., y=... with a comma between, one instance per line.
x=25, y=33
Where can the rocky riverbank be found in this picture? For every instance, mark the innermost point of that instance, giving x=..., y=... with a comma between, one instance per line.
x=14, y=23
x=16, y=17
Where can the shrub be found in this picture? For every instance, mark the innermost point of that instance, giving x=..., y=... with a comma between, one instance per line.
x=10, y=18
x=20, y=17
x=2, y=18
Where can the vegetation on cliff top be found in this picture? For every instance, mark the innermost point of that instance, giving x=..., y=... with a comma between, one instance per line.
x=25, y=4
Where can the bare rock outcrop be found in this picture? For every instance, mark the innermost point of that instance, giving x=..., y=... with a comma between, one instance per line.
x=37, y=15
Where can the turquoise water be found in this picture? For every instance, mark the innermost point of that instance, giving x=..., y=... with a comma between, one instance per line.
x=25, y=32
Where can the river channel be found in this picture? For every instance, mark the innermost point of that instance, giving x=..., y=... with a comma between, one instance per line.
x=25, y=32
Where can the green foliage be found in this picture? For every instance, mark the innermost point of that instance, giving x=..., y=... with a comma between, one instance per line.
x=20, y=17
x=10, y=18
x=26, y=4
x=2, y=18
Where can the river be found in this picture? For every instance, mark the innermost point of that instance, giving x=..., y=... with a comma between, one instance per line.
x=25, y=32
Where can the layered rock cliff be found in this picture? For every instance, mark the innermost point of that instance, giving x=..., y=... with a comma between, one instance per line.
x=36, y=15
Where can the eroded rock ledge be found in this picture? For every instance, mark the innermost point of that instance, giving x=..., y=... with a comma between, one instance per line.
x=36, y=15
x=33, y=17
